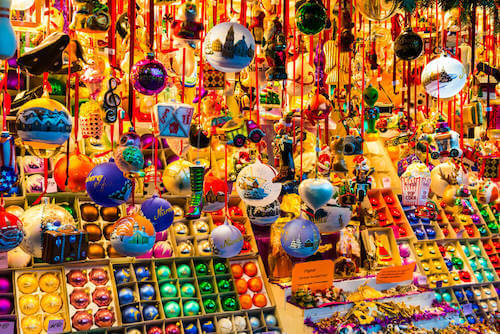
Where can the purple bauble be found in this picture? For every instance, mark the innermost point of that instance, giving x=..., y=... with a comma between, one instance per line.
x=5, y=285
x=13, y=80
x=404, y=250
x=172, y=158
x=149, y=76
x=300, y=238
x=162, y=249
x=5, y=306
x=130, y=138
x=226, y=240
x=147, y=141
x=159, y=212
x=107, y=186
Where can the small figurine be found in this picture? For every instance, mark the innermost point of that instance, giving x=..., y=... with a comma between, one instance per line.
x=275, y=51
x=283, y=147
x=362, y=177
x=257, y=25
x=382, y=255
x=188, y=28
x=372, y=115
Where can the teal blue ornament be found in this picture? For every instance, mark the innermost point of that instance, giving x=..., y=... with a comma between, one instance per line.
x=172, y=309
x=479, y=276
x=163, y=272
x=466, y=250
x=188, y=290
x=191, y=308
x=438, y=297
x=489, y=275
x=315, y=192
x=184, y=271
x=168, y=290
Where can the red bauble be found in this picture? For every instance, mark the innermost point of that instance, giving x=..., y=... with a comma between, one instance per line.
x=215, y=190
x=235, y=211
x=237, y=270
x=155, y=330
x=250, y=269
x=172, y=329
x=79, y=168
x=241, y=285
x=259, y=300
x=104, y=318
x=82, y=320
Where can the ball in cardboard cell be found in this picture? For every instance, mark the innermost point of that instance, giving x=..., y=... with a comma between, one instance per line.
x=122, y=275
x=130, y=314
x=79, y=298
x=255, y=284
x=104, y=317
x=172, y=329
x=188, y=290
x=237, y=270
x=241, y=286
x=147, y=292
x=250, y=269
x=27, y=283
x=226, y=240
x=163, y=272
x=184, y=271
x=172, y=309
x=125, y=295
x=50, y=318
x=51, y=303
x=98, y=276
x=133, y=235
x=210, y=305
x=246, y=302
x=150, y=312
x=29, y=304
x=102, y=296
x=168, y=290
x=32, y=324
x=5, y=285
x=77, y=277
x=259, y=300
x=154, y=330
x=191, y=308
x=49, y=282
x=142, y=273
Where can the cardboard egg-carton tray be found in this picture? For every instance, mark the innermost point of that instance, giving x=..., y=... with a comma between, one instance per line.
x=431, y=263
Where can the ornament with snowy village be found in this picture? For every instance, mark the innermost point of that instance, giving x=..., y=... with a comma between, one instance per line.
x=229, y=47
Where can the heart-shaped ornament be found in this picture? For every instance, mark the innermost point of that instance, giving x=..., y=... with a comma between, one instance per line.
x=316, y=192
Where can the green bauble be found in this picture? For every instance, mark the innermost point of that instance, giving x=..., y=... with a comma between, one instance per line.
x=201, y=269
x=188, y=290
x=168, y=290
x=70, y=209
x=210, y=305
x=172, y=309
x=163, y=272
x=229, y=304
x=310, y=18
x=183, y=271
x=220, y=268
x=206, y=288
x=191, y=308
x=224, y=285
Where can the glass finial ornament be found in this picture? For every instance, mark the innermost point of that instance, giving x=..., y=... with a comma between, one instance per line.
x=43, y=125
x=9, y=176
x=149, y=76
x=408, y=45
x=300, y=238
x=229, y=47
x=444, y=77
x=226, y=240
x=128, y=155
x=377, y=10
x=310, y=16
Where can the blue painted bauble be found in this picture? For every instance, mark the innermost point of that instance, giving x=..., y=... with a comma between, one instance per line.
x=469, y=294
x=188, y=290
x=122, y=275
x=459, y=295
x=316, y=192
x=133, y=235
x=125, y=295
x=142, y=273
x=130, y=314
x=271, y=320
x=191, y=308
x=159, y=212
x=172, y=309
x=147, y=292
x=107, y=186
x=150, y=312
x=448, y=263
x=226, y=240
x=208, y=326
x=11, y=231
x=44, y=125
x=489, y=275
x=163, y=272
x=184, y=271
x=254, y=322
x=190, y=329
x=419, y=233
x=431, y=233
x=300, y=238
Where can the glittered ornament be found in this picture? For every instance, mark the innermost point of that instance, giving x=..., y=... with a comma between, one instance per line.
x=43, y=125
x=52, y=317
x=147, y=292
x=51, y=303
x=125, y=295
x=159, y=212
x=408, y=45
x=149, y=76
x=444, y=77
x=98, y=276
x=9, y=176
x=172, y=329
x=107, y=186
x=72, y=178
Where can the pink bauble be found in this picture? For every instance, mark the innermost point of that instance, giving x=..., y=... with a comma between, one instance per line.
x=162, y=236
x=404, y=250
x=147, y=255
x=5, y=306
x=5, y=285
x=162, y=249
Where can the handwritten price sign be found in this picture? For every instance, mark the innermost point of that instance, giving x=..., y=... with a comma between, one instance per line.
x=56, y=326
x=7, y=327
x=173, y=119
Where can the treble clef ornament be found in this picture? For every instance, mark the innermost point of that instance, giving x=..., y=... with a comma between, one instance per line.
x=111, y=102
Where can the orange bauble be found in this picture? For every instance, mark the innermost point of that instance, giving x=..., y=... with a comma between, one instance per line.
x=237, y=270
x=241, y=285
x=79, y=168
x=255, y=284
x=259, y=300
x=246, y=302
x=250, y=269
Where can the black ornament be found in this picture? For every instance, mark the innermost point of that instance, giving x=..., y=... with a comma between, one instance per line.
x=409, y=45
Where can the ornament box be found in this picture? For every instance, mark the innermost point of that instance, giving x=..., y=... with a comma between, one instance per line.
x=388, y=248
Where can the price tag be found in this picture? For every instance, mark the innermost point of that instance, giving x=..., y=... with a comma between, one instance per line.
x=4, y=263
x=395, y=83
x=7, y=327
x=439, y=284
x=56, y=326
x=51, y=185
x=467, y=309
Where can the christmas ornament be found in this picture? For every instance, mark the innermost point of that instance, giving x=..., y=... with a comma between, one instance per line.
x=215, y=191
x=49, y=282
x=11, y=231
x=8, y=169
x=149, y=76
x=264, y=215
x=229, y=47
x=159, y=212
x=104, y=318
x=8, y=39
x=107, y=186
x=408, y=45
x=316, y=192
x=43, y=125
x=130, y=314
x=172, y=309
x=377, y=10
x=133, y=235
x=226, y=240
x=176, y=178
x=72, y=178
x=150, y=312
x=310, y=16
x=191, y=308
x=125, y=295
x=444, y=77
x=300, y=238
x=255, y=185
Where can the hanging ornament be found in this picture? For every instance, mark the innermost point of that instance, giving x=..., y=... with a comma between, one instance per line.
x=377, y=10
x=275, y=50
x=149, y=76
x=8, y=40
x=90, y=119
x=133, y=235
x=128, y=154
x=295, y=83
x=332, y=217
x=38, y=219
x=8, y=169
x=44, y=125
x=198, y=137
x=72, y=178
x=226, y=240
x=159, y=212
x=176, y=178
x=300, y=238
x=318, y=109
x=264, y=215
x=487, y=192
x=229, y=47
x=444, y=77
x=187, y=28
x=11, y=231
x=310, y=16
x=255, y=185
x=370, y=95
x=215, y=190
x=316, y=192
x=107, y=186
x=415, y=184
x=408, y=45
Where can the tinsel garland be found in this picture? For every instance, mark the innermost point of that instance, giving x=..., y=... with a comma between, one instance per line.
x=330, y=325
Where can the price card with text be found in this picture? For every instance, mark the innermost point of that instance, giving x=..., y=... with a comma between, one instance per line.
x=396, y=274
x=56, y=326
x=316, y=275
